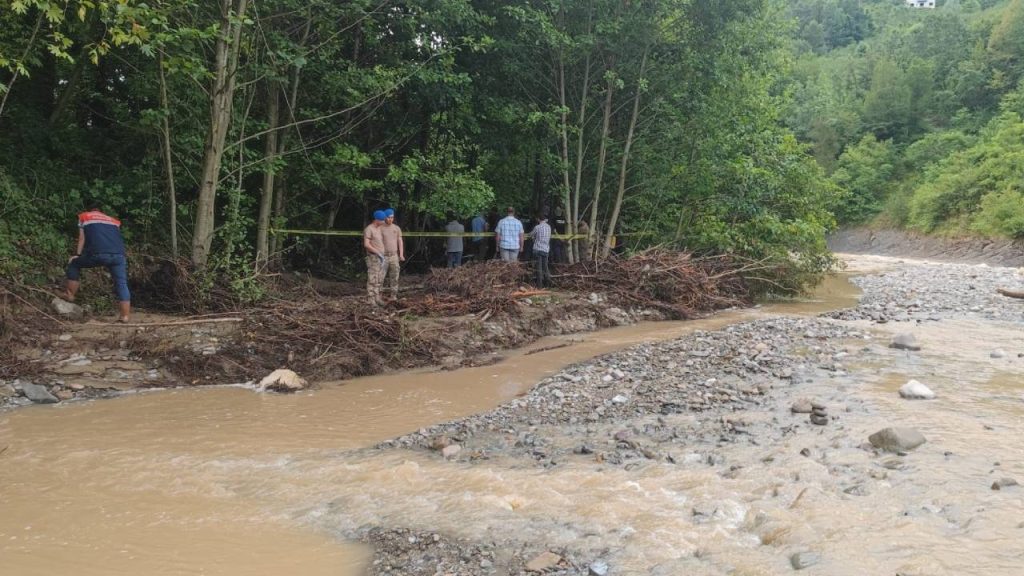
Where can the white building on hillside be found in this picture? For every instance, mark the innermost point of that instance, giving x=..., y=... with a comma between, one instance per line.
x=921, y=3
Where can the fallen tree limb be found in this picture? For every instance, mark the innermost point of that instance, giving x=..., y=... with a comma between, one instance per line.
x=168, y=323
x=1011, y=293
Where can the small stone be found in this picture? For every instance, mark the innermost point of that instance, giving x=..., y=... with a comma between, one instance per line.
x=486, y=564
x=801, y=407
x=598, y=568
x=619, y=399
x=65, y=394
x=897, y=439
x=65, y=308
x=64, y=337
x=1004, y=483
x=818, y=406
x=819, y=412
x=450, y=452
x=905, y=341
x=998, y=353
x=76, y=386
x=914, y=390
x=38, y=394
x=819, y=420
x=544, y=562
x=440, y=442
x=802, y=560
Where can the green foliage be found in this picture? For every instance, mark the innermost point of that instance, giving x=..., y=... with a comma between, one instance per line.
x=31, y=248
x=441, y=105
x=954, y=196
x=863, y=175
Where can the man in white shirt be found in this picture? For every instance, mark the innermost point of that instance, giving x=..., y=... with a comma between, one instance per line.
x=454, y=250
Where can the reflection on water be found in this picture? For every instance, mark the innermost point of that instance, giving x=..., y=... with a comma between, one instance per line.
x=225, y=481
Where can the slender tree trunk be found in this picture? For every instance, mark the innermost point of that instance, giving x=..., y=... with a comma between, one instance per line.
x=581, y=124
x=24, y=55
x=606, y=247
x=602, y=151
x=270, y=156
x=70, y=88
x=226, y=52
x=172, y=196
x=282, y=142
x=570, y=224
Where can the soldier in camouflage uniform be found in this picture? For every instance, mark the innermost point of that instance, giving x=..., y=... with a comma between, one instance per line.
x=376, y=263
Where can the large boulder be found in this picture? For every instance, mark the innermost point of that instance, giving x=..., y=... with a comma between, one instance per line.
x=282, y=380
x=897, y=439
x=914, y=390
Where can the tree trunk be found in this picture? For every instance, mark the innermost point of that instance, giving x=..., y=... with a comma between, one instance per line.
x=270, y=155
x=602, y=151
x=570, y=224
x=282, y=143
x=172, y=196
x=606, y=247
x=226, y=52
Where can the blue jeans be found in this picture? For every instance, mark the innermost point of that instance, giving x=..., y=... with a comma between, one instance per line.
x=116, y=264
x=454, y=259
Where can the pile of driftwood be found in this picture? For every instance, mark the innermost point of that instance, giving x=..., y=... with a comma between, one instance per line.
x=675, y=283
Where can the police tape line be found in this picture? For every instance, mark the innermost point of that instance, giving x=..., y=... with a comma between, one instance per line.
x=359, y=233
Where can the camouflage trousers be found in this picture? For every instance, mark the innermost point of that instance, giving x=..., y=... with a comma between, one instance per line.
x=392, y=274
x=376, y=269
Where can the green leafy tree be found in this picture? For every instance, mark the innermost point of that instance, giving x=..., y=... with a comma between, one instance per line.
x=863, y=177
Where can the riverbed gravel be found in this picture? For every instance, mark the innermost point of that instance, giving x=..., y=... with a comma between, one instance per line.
x=679, y=402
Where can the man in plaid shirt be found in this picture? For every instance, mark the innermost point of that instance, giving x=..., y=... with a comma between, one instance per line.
x=541, y=236
x=509, y=234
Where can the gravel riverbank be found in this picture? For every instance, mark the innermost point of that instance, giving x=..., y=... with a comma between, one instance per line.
x=710, y=402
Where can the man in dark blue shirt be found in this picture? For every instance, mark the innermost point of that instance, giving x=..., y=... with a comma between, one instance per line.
x=100, y=244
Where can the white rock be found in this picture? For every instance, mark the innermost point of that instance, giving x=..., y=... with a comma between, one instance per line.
x=282, y=380
x=619, y=399
x=914, y=390
x=451, y=451
x=65, y=308
x=998, y=353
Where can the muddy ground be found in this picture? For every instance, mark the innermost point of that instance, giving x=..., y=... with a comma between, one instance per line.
x=98, y=358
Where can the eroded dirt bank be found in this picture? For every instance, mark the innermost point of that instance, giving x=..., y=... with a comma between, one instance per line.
x=900, y=243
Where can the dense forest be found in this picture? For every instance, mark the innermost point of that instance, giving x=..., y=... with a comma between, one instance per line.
x=206, y=125
x=740, y=126
x=917, y=115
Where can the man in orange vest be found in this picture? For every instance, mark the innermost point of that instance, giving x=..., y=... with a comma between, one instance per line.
x=100, y=244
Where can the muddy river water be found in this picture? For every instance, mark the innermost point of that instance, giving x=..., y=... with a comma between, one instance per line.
x=225, y=481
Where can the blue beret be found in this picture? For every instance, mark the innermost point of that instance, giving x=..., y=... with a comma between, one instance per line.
x=389, y=212
x=379, y=215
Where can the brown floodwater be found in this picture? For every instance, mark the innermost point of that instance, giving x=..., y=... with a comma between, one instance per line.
x=224, y=481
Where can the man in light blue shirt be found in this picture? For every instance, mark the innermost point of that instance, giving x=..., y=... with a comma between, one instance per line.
x=479, y=224
x=510, y=235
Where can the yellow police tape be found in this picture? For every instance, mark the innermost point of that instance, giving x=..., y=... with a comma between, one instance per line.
x=358, y=233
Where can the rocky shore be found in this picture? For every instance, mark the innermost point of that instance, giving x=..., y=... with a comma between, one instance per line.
x=705, y=402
